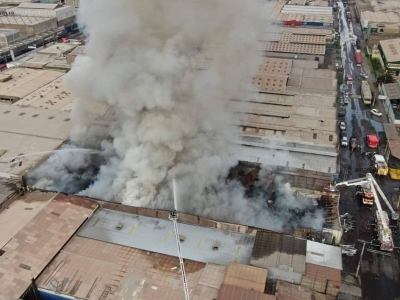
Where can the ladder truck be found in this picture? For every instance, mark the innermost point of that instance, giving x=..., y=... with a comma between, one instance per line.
x=173, y=216
x=382, y=219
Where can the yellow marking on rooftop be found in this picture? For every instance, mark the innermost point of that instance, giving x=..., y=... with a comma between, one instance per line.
x=133, y=229
x=97, y=221
x=168, y=236
x=200, y=245
x=238, y=252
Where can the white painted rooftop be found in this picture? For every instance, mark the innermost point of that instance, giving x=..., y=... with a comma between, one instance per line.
x=324, y=255
x=157, y=235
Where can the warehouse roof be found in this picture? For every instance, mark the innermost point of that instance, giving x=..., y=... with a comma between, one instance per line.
x=312, y=31
x=46, y=130
x=276, y=250
x=22, y=20
x=40, y=61
x=391, y=50
x=380, y=16
x=289, y=291
x=324, y=255
x=298, y=48
x=25, y=81
x=246, y=277
x=38, y=5
x=392, y=90
x=392, y=132
x=52, y=96
x=32, y=248
x=91, y=269
x=307, y=10
x=201, y=244
x=292, y=37
x=20, y=212
x=57, y=49
x=228, y=292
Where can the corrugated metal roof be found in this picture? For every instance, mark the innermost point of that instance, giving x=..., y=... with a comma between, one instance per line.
x=307, y=10
x=246, y=277
x=391, y=131
x=288, y=291
x=392, y=90
x=38, y=5
x=279, y=251
x=227, y=292
x=157, y=235
x=324, y=255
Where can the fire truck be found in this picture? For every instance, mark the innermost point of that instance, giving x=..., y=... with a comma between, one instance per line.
x=381, y=217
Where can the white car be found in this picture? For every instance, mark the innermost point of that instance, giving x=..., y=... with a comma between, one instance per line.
x=345, y=141
x=376, y=112
x=342, y=126
x=364, y=75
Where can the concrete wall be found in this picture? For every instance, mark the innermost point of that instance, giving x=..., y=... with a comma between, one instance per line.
x=67, y=21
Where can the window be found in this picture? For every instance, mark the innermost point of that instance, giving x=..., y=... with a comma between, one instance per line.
x=314, y=136
x=6, y=112
x=50, y=118
x=21, y=114
x=67, y=120
x=330, y=137
x=34, y=116
x=303, y=166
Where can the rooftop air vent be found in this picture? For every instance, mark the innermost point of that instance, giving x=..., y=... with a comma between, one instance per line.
x=119, y=226
x=182, y=238
x=216, y=246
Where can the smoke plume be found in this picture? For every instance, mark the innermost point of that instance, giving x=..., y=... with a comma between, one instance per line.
x=142, y=61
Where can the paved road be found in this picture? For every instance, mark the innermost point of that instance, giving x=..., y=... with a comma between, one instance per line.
x=379, y=276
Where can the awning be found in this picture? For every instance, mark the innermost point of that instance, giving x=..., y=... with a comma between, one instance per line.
x=394, y=146
x=394, y=174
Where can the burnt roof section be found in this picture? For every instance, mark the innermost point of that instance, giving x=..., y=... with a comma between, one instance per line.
x=227, y=292
x=279, y=251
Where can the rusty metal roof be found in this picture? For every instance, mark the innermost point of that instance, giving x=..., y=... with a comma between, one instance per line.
x=247, y=277
x=228, y=292
x=277, y=250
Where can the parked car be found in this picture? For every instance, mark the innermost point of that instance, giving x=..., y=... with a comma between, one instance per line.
x=342, y=126
x=346, y=100
x=376, y=112
x=364, y=75
x=341, y=114
x=344, y=140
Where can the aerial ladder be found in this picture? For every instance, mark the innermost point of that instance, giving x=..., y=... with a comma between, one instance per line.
x=382, y=226
x=173, y=216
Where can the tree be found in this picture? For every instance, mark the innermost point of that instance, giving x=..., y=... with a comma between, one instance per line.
x=376, y=64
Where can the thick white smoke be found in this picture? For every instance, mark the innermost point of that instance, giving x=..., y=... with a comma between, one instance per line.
x=140, y=60
x=169, y=116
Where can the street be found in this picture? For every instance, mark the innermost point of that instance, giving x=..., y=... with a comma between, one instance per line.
x=379, y=273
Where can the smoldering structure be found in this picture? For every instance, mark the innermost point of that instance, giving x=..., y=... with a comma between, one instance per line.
x=168, y=117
